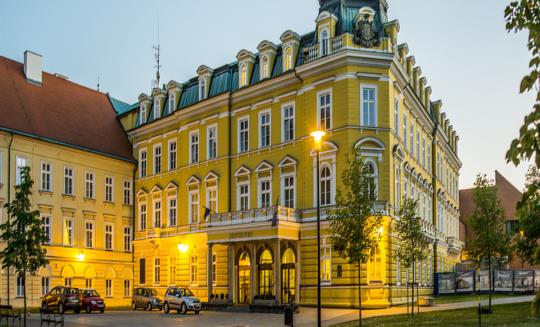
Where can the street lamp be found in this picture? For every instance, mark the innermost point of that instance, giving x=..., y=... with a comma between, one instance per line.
x=317, y=139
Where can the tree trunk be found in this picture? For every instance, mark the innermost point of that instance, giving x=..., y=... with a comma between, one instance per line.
x=24, y=291
x=413, y=281
x=359, y=294
x=490, y=283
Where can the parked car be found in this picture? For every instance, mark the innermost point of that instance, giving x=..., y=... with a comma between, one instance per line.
x=182, y=300
x=146, y=298
x=91, y=301
x=63, y=299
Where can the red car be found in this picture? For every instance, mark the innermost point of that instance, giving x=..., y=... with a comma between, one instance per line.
x=91, y=301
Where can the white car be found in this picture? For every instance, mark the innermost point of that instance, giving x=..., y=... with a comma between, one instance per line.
x=181, y=300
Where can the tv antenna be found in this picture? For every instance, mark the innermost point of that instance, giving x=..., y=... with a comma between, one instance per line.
x=157, y=54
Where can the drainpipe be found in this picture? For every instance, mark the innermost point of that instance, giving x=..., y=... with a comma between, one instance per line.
x=8, y=201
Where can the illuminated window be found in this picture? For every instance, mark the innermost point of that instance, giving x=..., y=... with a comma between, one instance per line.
x=265, y=68
x=243, y=75
x=288, y=59
x=108, y=288
x=157, y=270
x=68, y=232
x=326, y=263
x=266, y=274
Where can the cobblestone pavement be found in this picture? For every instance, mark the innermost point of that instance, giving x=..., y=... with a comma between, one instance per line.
x=306, y=318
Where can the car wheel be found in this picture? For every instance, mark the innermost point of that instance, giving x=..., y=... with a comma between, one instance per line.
x=196, y=312
x=101, y=311
x=133, y=306
x=149, y=306
x=183, y=309
x=44, y=306
x=87, y=309
x=61, y=308
x=166, y=308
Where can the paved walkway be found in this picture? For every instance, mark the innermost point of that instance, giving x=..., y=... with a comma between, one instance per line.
x=306, y=318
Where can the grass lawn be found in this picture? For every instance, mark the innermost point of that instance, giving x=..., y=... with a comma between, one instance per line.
x=466, y=298
x=503, y=315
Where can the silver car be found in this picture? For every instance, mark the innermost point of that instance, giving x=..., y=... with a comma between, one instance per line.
x=181, y=300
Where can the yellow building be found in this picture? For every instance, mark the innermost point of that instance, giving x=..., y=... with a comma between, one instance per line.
x=82, y=167
x=219, y=154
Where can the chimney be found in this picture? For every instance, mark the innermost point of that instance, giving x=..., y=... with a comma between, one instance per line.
x=33, y=67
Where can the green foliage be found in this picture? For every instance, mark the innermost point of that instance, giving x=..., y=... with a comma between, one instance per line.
x=414, y=245
x=488, y=224
x=354, y=224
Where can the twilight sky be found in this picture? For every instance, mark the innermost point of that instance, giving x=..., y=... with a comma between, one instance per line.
x=470, y=61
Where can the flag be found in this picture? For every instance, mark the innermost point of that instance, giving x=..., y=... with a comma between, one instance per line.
x=206, y=213
x=275, y=217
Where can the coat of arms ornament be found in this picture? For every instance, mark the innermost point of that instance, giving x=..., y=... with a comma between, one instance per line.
x=366, y=34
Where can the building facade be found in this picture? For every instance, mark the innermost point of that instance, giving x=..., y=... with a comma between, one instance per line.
x=221, y=154
x=82, y=168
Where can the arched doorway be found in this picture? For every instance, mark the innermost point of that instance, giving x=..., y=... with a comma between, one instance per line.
x=288, y=276
x=244, y=278
x=266, y=275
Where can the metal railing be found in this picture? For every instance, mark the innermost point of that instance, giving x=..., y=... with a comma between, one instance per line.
x=254, y=215
x=334, y=45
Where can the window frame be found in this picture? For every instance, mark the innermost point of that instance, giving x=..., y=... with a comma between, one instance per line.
x=194, y=214
x=157, y=163
x=194, y=270
x=194, y=147
x=93, y=234
x=143, y=204
x=285, y=189
x=18, y=168
x=109, y=189
x=214, y=139
x=261, y=181
x=375, y=102
x=68, y=239
x=142, y=114
x=172, y=155
x=240, y=195
x=111, y=233
x=90, y=185
x=70, y=179
x=320, y=94
x=46, y=184
x=324, y=41
x=128, y=189
x=170, y=208
x=47, y=227
x=263, y=126
x=240, y=133
x=157, y=213
x=127, y=239
x=157, y=271
x=143, y=163
x=285, y=119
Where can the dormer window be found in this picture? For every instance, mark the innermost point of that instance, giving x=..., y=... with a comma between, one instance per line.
x=288, y=59
x=324, y=42
x=243, y=75
x=172, y=102
x=142, y=114
x=202, y=89
x=157, y=110
x=265, y=68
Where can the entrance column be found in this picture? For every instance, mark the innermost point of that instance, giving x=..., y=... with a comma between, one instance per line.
x=231, y=273
x=209, y=271
x=298, y=273
x=277, y=271
x=253, y=271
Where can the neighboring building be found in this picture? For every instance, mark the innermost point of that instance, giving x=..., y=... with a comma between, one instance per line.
x=82, y=167
x=235, y=140
x=509, y=196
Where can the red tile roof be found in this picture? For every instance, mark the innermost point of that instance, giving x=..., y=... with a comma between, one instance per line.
x=60, y=111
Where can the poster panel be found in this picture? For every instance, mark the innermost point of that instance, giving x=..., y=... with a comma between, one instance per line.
x=446, y=283
x=465, y=282
x=503, y=281
x=537, y=279
x=484, y=281
x=524, y=280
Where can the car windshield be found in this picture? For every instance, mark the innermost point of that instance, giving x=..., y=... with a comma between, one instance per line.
x=91, y=293
x=71, y=291
x=151, y=292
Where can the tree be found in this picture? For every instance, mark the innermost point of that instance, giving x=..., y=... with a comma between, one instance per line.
x=487, y=220
x=354, y=224
x=23, y=234
x=414, y=245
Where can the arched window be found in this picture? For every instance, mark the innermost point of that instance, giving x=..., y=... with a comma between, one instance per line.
x=374, y=176
x=243, y=76
x=325, y=43
x=326, y=186
x=288, y=58
x=266, y=275
x=265, y=73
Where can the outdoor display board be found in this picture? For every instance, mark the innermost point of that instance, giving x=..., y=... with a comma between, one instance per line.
x=503, y=281
x=523, y=281
x=484, y=281
x=537, y=279
x=446, y=283
x=465, y=282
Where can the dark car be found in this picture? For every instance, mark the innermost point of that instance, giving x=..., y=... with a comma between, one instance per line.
x=146, y=298
x=91, y=301
x=62, y=298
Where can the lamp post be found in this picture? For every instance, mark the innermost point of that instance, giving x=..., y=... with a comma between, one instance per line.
x=317, y=138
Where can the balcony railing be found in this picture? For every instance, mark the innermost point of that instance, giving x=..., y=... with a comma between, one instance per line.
x=454, y=244
x=335, y=45
x=254, y=215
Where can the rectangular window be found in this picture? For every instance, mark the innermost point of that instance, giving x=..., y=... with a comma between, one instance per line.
x=396, y=116
x=194, y=147
x=142, y=216
x=325, y=111
x=326, y=263
x=89, y=185
x=288, y=191
x=194, y=207
x=68, y=232
x=46, y=227
x=68, y=181
x=418, y=145
x=20, y=286
x=20, y=164
x=157, y=108
x=142, y=271
x=108, y=288
x=89, y=234
x=243, y=197
x=172, y=102
x=109, y=237
x=211, y=198
x=264, y=129
x=211, y=133
x=265, y=191
x=411, y=144
x=214, y=269
x=157, y=270
x=88, y=283
x=288, y=123
x=429, y=162
x=127, y=239
x=405, y=127
x=127, y=192
x=172, y=155
x=243, y=135
x=45, y=285
x=194, y=271
x=46, y=171
x=68, y=282
x=172, y=212
x=424, y=152
x=109, y=181
x=157, y=213
x=142, y=163
x=369, y=106
x=127, y=288
x=172, y=270
x=157, y=159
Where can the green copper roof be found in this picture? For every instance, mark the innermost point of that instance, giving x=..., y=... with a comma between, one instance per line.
x=121, y=107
